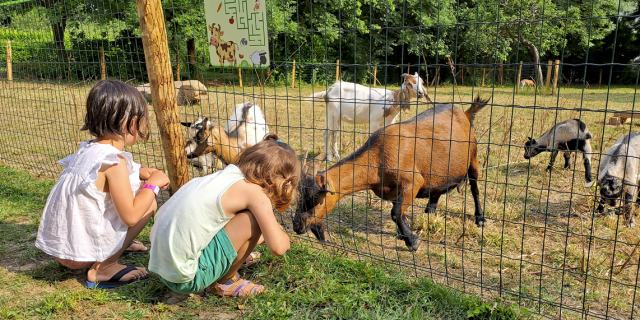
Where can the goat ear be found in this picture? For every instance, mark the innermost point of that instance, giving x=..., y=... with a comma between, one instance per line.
x=186, y=124
x=322, y=183
x=206, y=122
x=404, y=76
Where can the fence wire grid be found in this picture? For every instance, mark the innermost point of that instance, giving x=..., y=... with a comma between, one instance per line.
x=544, y=247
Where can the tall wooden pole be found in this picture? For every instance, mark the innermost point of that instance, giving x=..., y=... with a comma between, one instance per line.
x=9, y=63
x=501, y=71
x=103, y=67
x=337, y=70
x=375, y=75
x=293, y=75
x=548, y=79
x=438, y=76
x=240, y=76
x=163, y=92
x=555, y=77
x=462, y=73
x=483, y=73
x=519, y=74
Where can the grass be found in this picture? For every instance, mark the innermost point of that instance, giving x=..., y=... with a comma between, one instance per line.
x=542, y=247
x=303, y=284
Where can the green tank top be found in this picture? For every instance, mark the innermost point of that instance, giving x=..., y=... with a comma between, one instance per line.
x=187, y=222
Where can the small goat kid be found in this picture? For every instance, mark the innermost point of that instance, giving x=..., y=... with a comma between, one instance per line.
x=358, y=104
x=424, y=157
x=619, y=176
x=244, y=129
x=567, y=136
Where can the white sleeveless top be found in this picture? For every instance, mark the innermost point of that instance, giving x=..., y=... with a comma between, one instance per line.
x=187, y=222
x=79, y=221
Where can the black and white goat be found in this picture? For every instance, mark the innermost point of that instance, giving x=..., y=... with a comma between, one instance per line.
x=568, y=136
x=243, y=130
x=619, y=175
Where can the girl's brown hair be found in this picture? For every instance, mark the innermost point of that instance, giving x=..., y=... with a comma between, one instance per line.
x=274, y=166
x=112, y=106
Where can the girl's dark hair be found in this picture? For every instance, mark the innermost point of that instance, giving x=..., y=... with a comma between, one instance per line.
x=273, y=165
x=112, y=106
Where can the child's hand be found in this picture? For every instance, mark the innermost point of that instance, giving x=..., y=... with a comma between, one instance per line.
x=158, y=178
x=145, y=173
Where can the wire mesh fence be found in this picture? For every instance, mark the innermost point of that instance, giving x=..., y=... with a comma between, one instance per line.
x=545, y=244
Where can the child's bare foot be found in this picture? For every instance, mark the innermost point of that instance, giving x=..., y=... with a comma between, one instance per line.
x=105, y=273
x=136, y=247
x=236, y=287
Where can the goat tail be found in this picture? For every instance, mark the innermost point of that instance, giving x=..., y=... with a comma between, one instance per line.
x=317, y=97
x=476, y=106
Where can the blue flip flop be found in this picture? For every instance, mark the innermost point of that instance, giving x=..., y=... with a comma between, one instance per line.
x=126, y=253
x=114, y=281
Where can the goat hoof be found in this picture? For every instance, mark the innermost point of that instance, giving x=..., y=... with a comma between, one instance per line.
x=548, y=169
x=433, y=210
x=480, y=222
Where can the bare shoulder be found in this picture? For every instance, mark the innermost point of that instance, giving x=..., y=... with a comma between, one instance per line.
x=115, y=167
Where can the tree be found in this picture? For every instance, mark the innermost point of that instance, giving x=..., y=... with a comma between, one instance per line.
x=541, y=26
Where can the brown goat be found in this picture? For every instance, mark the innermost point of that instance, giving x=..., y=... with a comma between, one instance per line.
x=396, y=164
x=207, y=138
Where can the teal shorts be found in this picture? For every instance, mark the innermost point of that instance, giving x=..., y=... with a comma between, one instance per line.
x=214, y=262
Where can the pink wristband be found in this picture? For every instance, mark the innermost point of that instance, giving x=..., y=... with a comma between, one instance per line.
x=153, y=188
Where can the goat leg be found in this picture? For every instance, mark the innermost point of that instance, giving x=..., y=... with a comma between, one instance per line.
x=567, y=160
x=431, y=206
x=475, y=192
x=628, y=208
x=600, y=208
x=586, y=156
x=402, y=224
x=552, y=160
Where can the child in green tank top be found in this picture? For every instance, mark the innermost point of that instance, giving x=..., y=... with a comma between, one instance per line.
x=205, y=232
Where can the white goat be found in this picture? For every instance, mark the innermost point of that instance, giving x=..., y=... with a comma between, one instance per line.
x=358, y=104
x=619, y=175
x=249, y=121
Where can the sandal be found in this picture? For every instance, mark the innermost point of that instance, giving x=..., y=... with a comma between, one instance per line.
x=115, y=282
x=128, y=252
x=236, y=287
x=252, y=259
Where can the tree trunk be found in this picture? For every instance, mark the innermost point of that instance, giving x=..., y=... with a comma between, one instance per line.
x=536, y=58
x=191, y=50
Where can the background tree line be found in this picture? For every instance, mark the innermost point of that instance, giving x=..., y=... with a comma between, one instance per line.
x=62, y=37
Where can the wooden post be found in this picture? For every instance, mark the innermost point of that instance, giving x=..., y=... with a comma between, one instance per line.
x=375, y=74
x=163, y=92
x=293, y=75
x=519, y=74
x=408, y=68
x=337, y=70
x=501, y=71
x=240, y=76
x=548, y=79
x=600, y=79
x=103, y=67
x=177, y=65
x=438, y=76
x=9, y=63
x=483, y=73
x=555, y=77
x=462, y=73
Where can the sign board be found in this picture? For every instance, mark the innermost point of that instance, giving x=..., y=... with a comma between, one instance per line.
x=237, y=31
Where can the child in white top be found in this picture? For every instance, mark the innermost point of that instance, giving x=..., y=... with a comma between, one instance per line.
x=97, y=207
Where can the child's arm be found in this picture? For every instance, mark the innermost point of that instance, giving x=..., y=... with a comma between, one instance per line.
x=145, y=173
x=130, y=210
x=259, y=204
